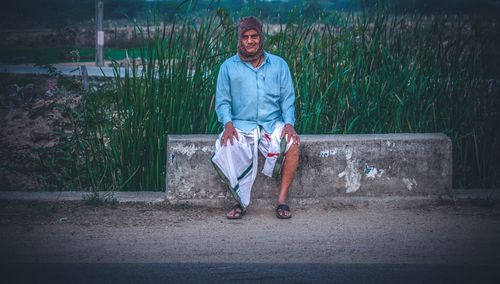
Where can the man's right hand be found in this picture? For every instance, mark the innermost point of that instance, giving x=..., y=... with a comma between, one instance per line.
x=229, y=133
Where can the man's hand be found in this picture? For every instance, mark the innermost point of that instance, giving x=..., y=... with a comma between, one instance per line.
x=229, y=133
x=288, y=129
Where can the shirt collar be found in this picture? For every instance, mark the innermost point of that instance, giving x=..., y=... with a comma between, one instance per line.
x=266, y=57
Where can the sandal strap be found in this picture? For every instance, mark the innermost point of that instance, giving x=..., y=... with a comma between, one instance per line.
x=283, y=207
x=237, y=206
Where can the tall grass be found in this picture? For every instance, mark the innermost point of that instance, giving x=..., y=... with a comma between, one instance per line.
x=170, y=90
x=368, y=72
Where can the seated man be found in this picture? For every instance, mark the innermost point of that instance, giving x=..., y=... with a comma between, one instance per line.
x=255, y=103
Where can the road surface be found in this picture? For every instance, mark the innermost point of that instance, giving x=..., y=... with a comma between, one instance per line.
x=130, y=243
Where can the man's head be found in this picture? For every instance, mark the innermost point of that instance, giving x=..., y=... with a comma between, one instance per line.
x=250, y=39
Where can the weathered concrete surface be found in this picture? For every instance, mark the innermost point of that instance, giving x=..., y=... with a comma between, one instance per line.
x=108, y=196
x=482, y=197
x=331, y=166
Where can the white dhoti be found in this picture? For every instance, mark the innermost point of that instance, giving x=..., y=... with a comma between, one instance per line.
x=237, y=163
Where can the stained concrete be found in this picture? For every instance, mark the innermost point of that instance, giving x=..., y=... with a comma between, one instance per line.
x=330, y=167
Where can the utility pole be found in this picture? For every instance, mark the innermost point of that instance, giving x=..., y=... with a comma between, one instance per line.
x=99, y=43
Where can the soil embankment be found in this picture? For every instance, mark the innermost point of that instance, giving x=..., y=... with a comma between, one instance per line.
x=30, y=113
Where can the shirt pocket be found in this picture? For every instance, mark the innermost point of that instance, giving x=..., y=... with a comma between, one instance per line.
x=272, y=85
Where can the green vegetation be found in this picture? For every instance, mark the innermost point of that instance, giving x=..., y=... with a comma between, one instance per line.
x=96, y=199
x=354, y=73
x=128, y=125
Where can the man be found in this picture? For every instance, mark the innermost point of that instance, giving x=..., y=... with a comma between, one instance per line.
x=255, y=103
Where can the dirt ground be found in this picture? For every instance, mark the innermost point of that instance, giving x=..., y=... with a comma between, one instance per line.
x=29, y=112
x=40, y=232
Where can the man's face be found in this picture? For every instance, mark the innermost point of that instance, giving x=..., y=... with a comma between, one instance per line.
x=250, y=41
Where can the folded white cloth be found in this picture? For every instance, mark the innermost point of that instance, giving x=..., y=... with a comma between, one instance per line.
x=237, y=163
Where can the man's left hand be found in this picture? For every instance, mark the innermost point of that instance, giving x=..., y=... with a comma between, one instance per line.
x=289, y=132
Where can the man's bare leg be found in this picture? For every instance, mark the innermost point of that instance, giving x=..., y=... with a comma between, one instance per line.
x=289, y=169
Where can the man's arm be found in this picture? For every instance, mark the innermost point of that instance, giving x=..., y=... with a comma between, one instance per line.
x=287, y=94
x=223, y=105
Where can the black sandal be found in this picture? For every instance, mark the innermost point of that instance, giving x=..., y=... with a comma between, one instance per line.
x=280, y=211
x=236, y=214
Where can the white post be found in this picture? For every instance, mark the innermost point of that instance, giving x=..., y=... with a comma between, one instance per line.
x=99, y=43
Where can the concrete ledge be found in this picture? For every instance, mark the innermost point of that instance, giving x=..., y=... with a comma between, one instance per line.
x=479, y=197
x=120, y=197
x=331, y=166
x=333, y=202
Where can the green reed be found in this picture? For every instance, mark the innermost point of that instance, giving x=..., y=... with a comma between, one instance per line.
x=169, y=90
x=353, y=73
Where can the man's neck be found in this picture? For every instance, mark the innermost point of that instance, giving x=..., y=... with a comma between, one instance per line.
x=257, y=61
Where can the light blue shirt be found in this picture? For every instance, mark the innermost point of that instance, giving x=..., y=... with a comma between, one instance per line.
x=251, y=97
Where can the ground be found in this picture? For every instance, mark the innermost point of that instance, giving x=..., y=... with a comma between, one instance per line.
x=31, y=112
x=432, y=237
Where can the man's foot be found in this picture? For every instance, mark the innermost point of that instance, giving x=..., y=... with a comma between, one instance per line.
x=283, y=212
x=236, y=212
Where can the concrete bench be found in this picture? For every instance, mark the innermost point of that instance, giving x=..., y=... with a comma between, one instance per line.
x=345, y=169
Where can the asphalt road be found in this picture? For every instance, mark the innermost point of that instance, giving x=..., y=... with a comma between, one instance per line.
x=75, y=243
x=248, y=273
